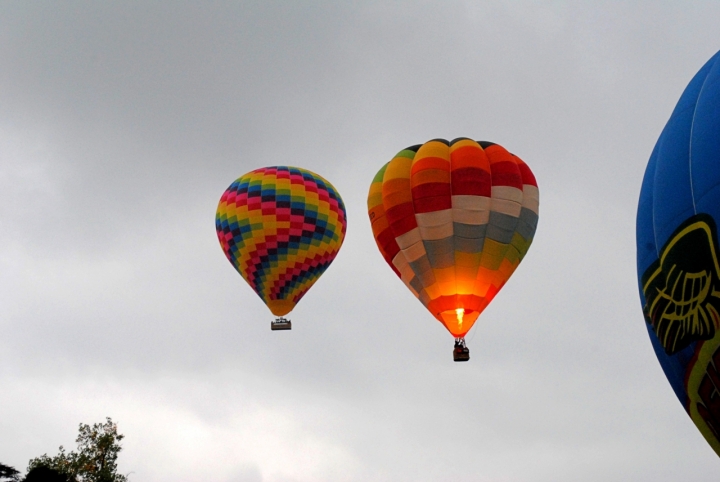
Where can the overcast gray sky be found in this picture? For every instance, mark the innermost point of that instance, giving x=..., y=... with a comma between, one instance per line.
x=122, y=123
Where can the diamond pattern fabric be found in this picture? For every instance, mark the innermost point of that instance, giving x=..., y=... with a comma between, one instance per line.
x=281, y=227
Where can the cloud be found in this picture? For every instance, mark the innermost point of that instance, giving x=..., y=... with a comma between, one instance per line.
x=121, y=126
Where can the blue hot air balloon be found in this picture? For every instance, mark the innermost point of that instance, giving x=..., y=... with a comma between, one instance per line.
x=677, y=250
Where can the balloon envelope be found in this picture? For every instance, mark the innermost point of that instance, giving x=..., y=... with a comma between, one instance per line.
x=454, y=220
x=677, y=250
x=281, y=227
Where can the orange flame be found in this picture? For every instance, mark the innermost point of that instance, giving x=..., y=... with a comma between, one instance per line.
x=460, y=312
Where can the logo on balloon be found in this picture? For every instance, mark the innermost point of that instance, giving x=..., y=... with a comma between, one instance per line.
x=682, y=287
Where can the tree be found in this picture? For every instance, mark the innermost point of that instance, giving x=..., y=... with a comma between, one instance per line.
x=9, y=473
x=95, y=460
x=45, y=474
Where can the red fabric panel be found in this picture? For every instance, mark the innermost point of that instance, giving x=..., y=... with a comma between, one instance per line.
x=527, y=175
x=386, y=239
x=404, y=225
x=432, y=204
x=471, y=181
x=506, y=173
x=437, y=306
x=398, y=213
x=431, y=189
x=504, y=169
x=492, y=291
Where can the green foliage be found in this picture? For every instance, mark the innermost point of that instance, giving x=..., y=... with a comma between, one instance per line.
x=45, y=474
x=95, y=459
x=9, y=473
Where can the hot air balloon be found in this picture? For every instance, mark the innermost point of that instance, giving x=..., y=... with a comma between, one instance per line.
x=453, y=220
x=281, y=227
x=677, y=250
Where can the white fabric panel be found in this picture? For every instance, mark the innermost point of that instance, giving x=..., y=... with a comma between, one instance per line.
x=532, y=191
x=510, y=208
x=531, y=198
x=435, y=218
x=408, y=239
x=533, y=205
x=473, y=203
x=466, y=216
x=439, y=232
x=414, y=252
x=406, y=272
x=507, y=192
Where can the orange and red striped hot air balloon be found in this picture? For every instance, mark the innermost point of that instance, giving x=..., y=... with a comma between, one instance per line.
x=454, y=220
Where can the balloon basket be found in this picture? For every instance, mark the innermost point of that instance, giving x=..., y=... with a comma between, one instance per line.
x=281, y=324
x=461, y=353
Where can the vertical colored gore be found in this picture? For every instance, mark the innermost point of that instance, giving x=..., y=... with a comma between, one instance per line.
x=453, y=220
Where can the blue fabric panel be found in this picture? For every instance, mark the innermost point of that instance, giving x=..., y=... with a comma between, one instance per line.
x=647, y=251
x=672, y=198
x=705, y=147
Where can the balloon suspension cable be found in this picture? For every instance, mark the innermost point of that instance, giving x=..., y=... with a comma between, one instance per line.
x=474, y=330
x=281, y=323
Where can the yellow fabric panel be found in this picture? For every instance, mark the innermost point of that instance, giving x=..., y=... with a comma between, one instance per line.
x=398, y=168
x=448, y=288
x=375, y=196
x=467, y=259
x=433, y=149
x=445, y=275
x=521, y=244
x=512, y=255
x=433, y=291
x=491, y=261
x=493, y=254
x=493, y=248
x=464, y=143
x=465, y=281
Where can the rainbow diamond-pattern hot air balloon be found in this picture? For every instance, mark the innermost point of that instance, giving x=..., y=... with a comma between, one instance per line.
x=281, y=227
x=454, y=220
